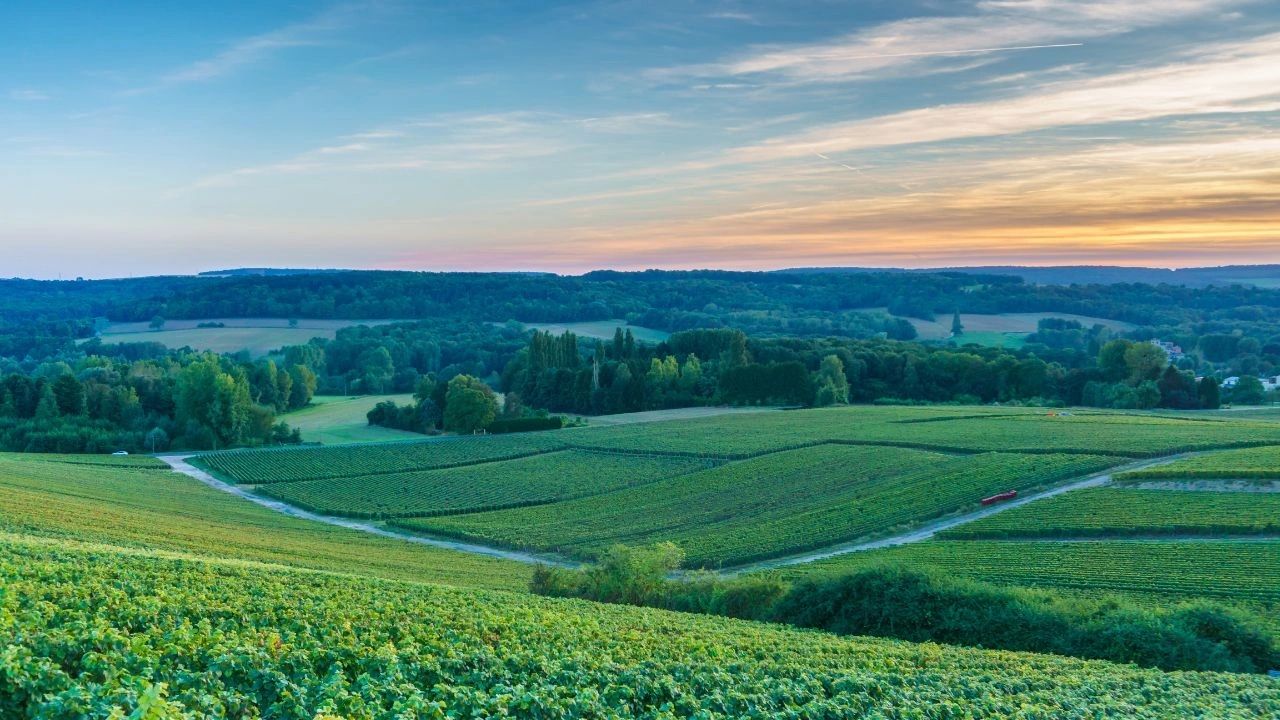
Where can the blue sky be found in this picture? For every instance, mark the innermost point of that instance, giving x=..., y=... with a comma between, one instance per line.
x=148, y=137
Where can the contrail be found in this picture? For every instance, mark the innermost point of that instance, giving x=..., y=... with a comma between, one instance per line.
x=837, y=162
x=961, y=52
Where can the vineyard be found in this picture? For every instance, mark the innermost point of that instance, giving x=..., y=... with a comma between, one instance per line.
x=530, y=480
x=773, y=505
x=100, y=634
x=1245, y=571
x=946, y=429
x=1262, y=463
x=1115, y=511
x=256, y=467
x=163, y=510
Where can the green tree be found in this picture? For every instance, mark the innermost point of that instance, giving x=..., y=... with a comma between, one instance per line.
x=957, y=327
x=157, y=323
x=303, y=387
x=470, y=405
x=1248, y=391
x=69, y=394
x=1209, y=392
x=47, y=408
x=1111, y=360
x=831, y=383
x=208, y=399
x=1145, y=361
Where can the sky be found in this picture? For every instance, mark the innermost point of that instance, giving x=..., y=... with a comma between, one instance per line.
x=141, y=138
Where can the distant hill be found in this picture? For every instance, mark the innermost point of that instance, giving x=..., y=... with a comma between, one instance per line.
x=1266, y=276
x=271, y=272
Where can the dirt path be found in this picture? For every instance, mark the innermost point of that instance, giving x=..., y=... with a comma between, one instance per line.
x=924, y=532
x=928, y=530
x=179, y=464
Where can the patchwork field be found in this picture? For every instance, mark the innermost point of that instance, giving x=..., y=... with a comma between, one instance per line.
x=769, y=506
x=1117, y=512
x=786, y=482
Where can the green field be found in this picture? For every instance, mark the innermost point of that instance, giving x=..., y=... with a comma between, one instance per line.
x=1225, y=569
x=1261, y=463
x=1005, y=323
x=338, y=420
x=259, y=336
x=256, y=467
x=773, y=505
x=789, y=481
x=508, y=483
x=953, y=429
x=89, y=631
x=1111, y=511
x=601, y=329
x=160, y=509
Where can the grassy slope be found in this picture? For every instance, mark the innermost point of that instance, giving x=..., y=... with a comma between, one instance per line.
x=223, y=638
x=336, y=420
x=1118, y=511
x=602, y=329
x=165, y=510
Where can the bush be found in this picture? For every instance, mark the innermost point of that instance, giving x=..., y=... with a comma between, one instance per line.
x=916, y=605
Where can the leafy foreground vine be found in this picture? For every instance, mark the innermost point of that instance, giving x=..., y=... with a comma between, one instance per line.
x=91, y=633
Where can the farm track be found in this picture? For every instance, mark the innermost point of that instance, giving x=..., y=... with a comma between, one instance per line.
x=179, y=464
x=918, y=534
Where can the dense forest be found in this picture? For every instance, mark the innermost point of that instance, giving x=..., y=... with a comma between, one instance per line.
x=738, y=338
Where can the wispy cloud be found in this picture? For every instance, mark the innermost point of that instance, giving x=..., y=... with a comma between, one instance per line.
x=1234, y=78
x=929, y=44
x=28, y=95
x=452, y=142
x=315, y=31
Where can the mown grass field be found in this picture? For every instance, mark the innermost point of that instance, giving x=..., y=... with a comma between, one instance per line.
x=89, y=633
x=160, y=509
x=1110, y=511
x=338, y=420
x=601, y=329
x=773, y=505
x=259, y=336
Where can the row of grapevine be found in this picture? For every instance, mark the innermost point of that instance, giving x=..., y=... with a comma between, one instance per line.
x=1260, y=463
x=769, y=506
x=257, y=467
x=1116, y=511
x=1234, y=570
x=533, y=480
x=164, y=510
x=99, y=635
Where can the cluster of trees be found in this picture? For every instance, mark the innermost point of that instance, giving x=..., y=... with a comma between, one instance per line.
x=464, y=405
x=919, y=605
x=103, y=403
x=393, y=358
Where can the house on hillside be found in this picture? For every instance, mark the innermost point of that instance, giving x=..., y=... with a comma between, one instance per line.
x=1173, y=351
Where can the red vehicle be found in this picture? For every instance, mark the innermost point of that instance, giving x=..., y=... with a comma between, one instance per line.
x=1011, y=494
